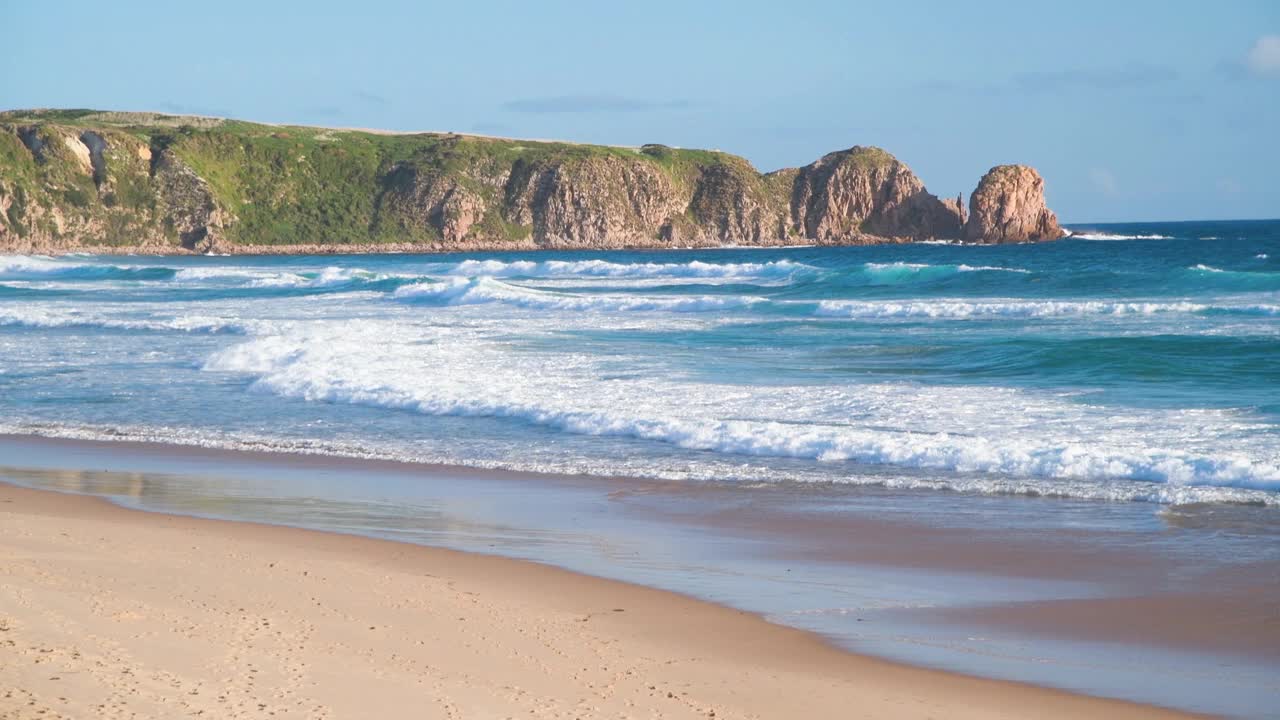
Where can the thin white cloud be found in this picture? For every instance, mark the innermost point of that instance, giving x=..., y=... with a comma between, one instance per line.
x=1264, y=57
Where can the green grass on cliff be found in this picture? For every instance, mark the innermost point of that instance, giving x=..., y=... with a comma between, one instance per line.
x=284, y=186
x=300, y=185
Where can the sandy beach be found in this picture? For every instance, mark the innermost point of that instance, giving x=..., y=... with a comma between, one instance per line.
x=109, y=612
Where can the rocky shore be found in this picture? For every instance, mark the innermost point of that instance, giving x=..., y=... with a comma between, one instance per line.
x=85, y=181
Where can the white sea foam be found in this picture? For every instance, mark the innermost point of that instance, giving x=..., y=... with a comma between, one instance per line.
x=474, y=291
x=1015, y=438
x=719, y=469
x=1096, y=235
x=39, y=266
x=41, y=317
x=957, y=308
x=327, y=278
x=11, y=264
x=221, y=272
x=905, y=271
x=606, y=269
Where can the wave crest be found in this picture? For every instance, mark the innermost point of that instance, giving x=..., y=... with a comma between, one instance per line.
x=474, y=291
x=606, y=269
x=44, y=318
x=941, y=309
x=1098, y=235
x=830, y=424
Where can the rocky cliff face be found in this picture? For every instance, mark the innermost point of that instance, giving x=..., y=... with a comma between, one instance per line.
x=1009, y=207
x=849, y=195
x=589, y=202
x=79, y=179
x=73, y=188
x=187, y=204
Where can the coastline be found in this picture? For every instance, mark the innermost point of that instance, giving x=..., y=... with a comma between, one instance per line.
x=352, y=624
x=468, y=246
x=1161, y=589
x=1234, y=615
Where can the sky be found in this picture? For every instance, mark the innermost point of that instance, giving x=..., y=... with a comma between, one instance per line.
x=1131, y=110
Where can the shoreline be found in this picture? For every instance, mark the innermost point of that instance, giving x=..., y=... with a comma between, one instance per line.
x=1234, y=617
x=476, y=246
x=737, y=664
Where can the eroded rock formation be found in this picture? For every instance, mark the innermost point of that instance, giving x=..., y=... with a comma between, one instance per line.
x=189, y=205
x=1009, y=207
x=865, y=191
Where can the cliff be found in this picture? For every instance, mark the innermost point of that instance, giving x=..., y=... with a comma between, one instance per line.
x=80, y=179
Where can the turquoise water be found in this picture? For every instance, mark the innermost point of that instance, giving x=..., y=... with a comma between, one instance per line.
x=1133, y=362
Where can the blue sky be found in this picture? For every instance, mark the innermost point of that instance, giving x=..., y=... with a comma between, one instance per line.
x=1131, y=110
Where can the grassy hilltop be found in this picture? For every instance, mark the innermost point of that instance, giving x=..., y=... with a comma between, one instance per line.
x=85, y=179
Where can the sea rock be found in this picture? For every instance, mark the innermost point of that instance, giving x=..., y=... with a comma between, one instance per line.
x=1008, y=206
x=955, y=207
x=864, y=191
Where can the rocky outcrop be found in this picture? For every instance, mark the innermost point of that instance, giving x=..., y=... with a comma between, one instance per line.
x=1008, y=207
x=865, y=191
x=730, y=206
x=189, y=205
x=432, y=201
x=80, y=152
x=590, y=202
x=96, y=146
x=80, y=181
x=958, y=213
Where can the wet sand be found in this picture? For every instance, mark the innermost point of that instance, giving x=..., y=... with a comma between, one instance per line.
x=1173, y=606
x=1245, y=622
x=110, y=612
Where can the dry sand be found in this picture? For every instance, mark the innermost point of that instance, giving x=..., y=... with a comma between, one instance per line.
x=113, y=613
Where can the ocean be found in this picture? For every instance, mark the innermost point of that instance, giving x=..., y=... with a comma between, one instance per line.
x=1137, y=362
x=1123, y=382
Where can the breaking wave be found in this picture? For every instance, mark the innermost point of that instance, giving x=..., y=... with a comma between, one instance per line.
x=606, y=269
x=1094, y=235
x=474, y=291
x=35, y=317
x=819, y=423
x=32, y=267
x=902, y=272
x=1024, y=309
